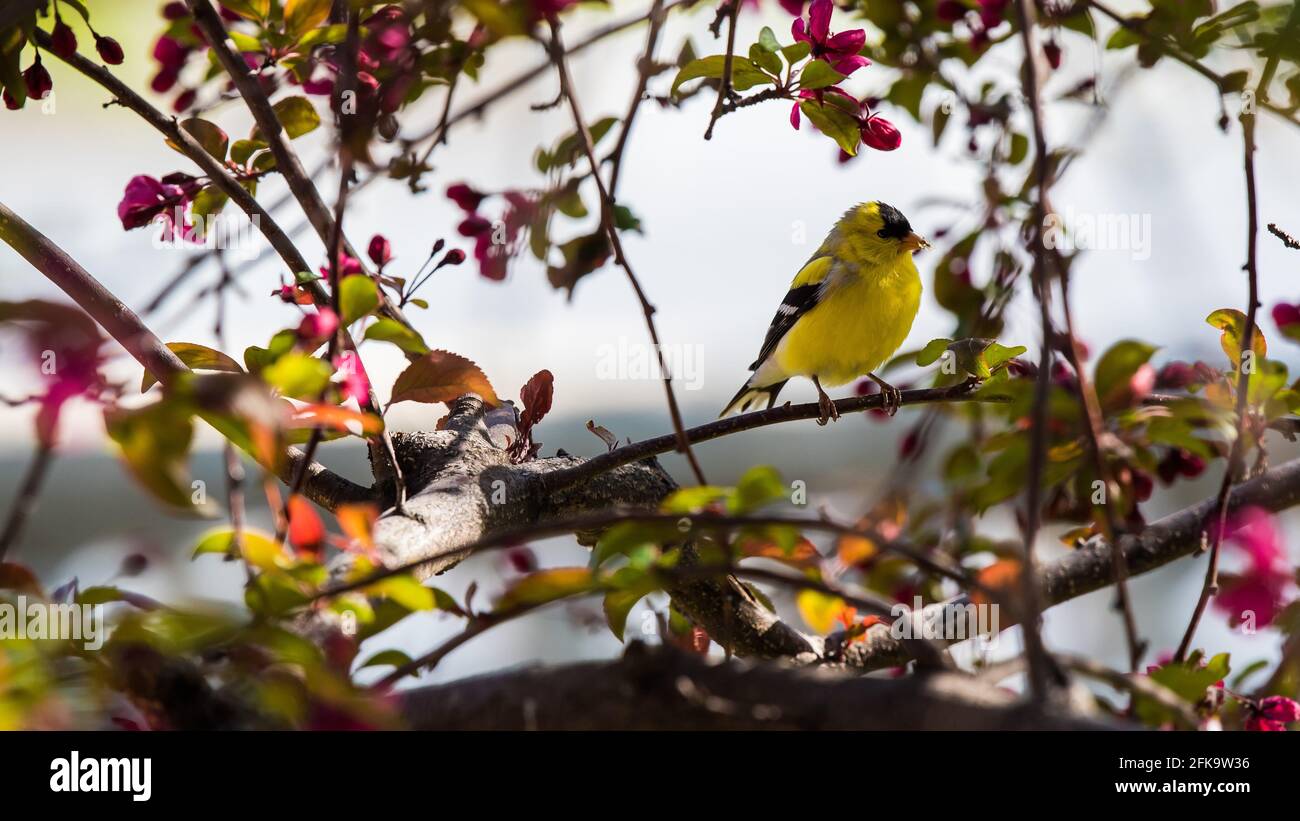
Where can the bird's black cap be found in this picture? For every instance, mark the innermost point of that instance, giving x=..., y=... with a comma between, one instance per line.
x=896, y=225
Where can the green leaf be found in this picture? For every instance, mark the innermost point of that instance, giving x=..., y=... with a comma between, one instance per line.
x=358, y=296
x=767, y=40
x=546, y=586
x=255, y=358
x=389, y=330
x=301, y=16
x=251, y=9
x=155, y=444
x=197, y=357
x=256, y=547
x=1019, y=149
x=932, y=351
x=296, y=114
x=242, y=150
x=765, y=59
x=693, y=499
x=631, y=586
x=298, y=375
x=626, y=538
x=386, y=658
x=405, y=591
x=818, y=74
x=760, y=485
x=1116, y=367
x=206, y=134
x=744, y=74
x=1233, y=324
x=795, y=52
x=834, y=123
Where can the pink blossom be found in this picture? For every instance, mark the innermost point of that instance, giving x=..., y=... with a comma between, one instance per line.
x=1264, y=588
x=317, y=327
x=1287, y=316
x=840, y=50
x=1272, y=714
x=146, y=198
x=351, y=377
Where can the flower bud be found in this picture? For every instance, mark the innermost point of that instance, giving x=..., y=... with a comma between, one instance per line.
x=109, y=50
x=1053, y=52
x=380, y=251
x=62, y=40
x=39, y=82
x=454, y=257
x=880, y=134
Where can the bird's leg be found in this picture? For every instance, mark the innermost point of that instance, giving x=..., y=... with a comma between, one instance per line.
x=893, y=397
x=825, y=405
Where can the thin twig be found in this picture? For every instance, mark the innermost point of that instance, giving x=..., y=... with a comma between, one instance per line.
x=724, y=88
x=645, y=68
x=611, y=232
x=635, y=452
x=1039, y=663
x=28, y=494
x=1287, y=240
x=1236, y=456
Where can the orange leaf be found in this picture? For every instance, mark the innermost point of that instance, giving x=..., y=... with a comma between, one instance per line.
x=1001, y=577
x=440, y=376
x=306, y=533
x=17, y=577
x=337, y=418
x=854, y=550
x=358, y=522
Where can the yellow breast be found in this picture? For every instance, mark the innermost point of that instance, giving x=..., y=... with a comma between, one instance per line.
x=859, y=324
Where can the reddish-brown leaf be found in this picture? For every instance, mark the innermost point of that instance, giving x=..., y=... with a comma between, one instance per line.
x=441, y=376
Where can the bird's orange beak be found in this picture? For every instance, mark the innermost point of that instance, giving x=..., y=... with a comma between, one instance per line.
x=914, y=242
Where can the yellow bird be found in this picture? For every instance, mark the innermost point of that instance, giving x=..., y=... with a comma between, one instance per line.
x=848, y=310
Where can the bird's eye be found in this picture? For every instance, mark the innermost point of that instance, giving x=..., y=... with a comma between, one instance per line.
x=881, y=233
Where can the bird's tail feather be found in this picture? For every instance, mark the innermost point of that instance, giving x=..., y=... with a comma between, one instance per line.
x=748, y=395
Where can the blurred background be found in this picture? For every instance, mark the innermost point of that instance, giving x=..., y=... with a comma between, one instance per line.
x=727, y=223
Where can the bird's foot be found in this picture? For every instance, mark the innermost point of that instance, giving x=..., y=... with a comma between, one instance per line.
x=891, y=397
x=825, y=406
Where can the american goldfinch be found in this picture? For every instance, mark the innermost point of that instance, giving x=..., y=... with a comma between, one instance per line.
x=848, y=310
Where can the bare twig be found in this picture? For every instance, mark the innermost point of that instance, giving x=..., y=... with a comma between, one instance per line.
x=635, y=452
x=1237, y=455
x=645, y=68
x=28, y=494
x=611, y=232
x=724, y=88
x=1039, y=663
x=1287, y=240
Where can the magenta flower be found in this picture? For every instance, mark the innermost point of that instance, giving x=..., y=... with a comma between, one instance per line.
x=1264, y=588
x=840, y=50
x=316, y=328
x=1272, y=714
x=351, y=377
x=146, y=198
x=1287, y=317
x=992, y=12
x=348, y=265
x=464, y=196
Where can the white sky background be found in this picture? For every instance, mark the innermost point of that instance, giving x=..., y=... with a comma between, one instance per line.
x=719, y=215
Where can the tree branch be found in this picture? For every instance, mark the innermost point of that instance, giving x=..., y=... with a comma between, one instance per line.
x=664, y=689
x=559, y=480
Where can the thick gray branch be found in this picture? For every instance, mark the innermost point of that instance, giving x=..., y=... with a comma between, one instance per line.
x=664, y=689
